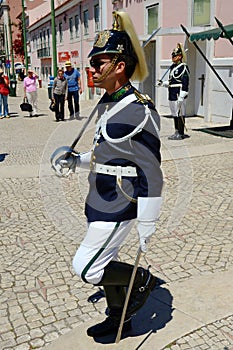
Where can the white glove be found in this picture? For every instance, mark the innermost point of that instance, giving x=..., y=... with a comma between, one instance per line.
x=180, y=101
x=85, y=159
x=145, y=231
x=148, y=212
x=70, y=163
x=181, y=98
x=165, y=83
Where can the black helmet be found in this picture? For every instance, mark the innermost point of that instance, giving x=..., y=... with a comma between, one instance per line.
x=113, y=41
x=179, y=51
x=122, y=40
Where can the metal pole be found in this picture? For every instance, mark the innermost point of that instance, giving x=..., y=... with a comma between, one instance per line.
x=207, y=61
x=223, y=29
x=12, y=52
x=24, y=37
x=7, y=50
x=54, y=43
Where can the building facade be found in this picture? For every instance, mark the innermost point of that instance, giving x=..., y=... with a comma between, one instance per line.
x=78, y=21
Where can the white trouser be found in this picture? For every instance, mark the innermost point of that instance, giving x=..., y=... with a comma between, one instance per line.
x=100, y=245
x=32, y=99
x=175, y=109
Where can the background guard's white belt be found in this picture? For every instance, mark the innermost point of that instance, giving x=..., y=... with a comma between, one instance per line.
x=114, y=170
x=175, y=85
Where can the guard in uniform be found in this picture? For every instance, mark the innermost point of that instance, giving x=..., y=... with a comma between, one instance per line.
x=125, y=179
x=178, y=85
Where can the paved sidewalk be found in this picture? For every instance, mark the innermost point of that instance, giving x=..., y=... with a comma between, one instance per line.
x=43, y=305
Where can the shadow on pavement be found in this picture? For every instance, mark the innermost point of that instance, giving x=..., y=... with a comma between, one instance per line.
x=3, y=156
x=35, y=116
x=154, y=315
x=14, y=114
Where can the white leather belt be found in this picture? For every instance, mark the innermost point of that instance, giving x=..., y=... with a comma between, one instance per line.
x=117, y=170
x=175, y=85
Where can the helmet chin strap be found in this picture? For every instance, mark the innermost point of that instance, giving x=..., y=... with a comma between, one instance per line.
x=113, y=62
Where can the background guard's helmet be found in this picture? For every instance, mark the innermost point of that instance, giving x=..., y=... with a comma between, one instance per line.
x=122, y=40
x=179, y=50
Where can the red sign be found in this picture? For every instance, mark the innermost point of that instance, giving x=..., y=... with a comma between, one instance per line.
x=75, y=53
x=63, y=56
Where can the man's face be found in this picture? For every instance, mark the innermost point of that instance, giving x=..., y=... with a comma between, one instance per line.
x=68, y=68
x=176, y=59
x=101, y=70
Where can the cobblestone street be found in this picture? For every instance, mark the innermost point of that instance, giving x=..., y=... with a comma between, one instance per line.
x=42, y=223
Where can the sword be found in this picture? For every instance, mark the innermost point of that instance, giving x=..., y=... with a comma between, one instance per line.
x=118, y=337
x=161, y=80
x=150, y=37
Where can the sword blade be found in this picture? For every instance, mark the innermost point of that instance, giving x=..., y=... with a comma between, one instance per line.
x=118, y=337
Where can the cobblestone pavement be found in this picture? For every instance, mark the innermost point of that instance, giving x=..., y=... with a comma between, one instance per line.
x=42, y=224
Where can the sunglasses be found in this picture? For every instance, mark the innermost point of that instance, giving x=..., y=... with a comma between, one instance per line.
x=97, y=63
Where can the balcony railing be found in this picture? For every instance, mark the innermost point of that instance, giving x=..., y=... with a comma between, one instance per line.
x=44, y=52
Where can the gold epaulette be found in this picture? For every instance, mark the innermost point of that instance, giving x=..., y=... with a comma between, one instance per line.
x=143, y=98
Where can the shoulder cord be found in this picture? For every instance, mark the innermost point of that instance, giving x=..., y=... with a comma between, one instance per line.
x=182, y=72
x=108, y=114
x=102, y=124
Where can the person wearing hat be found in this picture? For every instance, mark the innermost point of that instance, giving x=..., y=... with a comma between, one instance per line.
x=178, y=87
x=30, y=90
x=4, y=92
x=72, y=76
x=125, y=179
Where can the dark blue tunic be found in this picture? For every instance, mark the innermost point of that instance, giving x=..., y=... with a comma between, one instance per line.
x=105, y=200
x=179, y=74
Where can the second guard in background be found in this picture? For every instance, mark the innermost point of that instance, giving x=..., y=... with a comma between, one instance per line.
x=178, y=87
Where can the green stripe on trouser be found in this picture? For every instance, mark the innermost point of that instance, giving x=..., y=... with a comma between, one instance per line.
x=95, y=257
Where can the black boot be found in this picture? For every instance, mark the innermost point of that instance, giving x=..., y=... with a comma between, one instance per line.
x=181, y=126
x=176, y=134
x=144, y=283
x=115, y=296
x=115, y=280
x=119, y=274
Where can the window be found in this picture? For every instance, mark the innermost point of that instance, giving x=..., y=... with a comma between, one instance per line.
x=152, y=13
x=44, y=38
x=85, y=19
x=201, y=12
x=60, y=32
x=48, y=37
x=41, y=39
x=97, y=17
x=76, y=24
x=71, y=28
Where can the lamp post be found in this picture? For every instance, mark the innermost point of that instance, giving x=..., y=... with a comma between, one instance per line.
x=24, y=36
x=54, y=39
x=12, y=52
